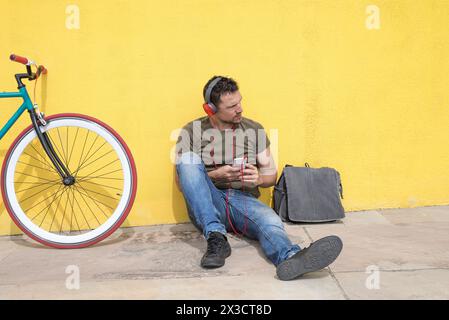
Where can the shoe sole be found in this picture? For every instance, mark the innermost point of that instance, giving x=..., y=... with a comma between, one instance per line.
x=318, y=256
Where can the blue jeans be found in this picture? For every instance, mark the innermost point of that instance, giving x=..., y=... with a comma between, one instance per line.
x=206, y=205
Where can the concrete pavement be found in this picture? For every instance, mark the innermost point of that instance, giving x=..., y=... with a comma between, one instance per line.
x=387, y=254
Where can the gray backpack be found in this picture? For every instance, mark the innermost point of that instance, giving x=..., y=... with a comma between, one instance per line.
x=304, y=194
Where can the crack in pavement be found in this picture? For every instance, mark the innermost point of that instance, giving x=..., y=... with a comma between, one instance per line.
x=394, y=270
x=331, y=273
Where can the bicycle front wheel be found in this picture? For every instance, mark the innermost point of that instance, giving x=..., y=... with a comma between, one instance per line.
x=77, y=215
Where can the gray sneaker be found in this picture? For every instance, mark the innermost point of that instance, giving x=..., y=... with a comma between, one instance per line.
x=317, y=256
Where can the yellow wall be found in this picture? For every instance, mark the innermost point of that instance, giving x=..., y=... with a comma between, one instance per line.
x=371, y=103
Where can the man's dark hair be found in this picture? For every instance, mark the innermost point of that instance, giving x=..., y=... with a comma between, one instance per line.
x=223, y=86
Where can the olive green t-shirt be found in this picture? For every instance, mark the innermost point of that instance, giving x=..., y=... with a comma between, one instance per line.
x=219, y=147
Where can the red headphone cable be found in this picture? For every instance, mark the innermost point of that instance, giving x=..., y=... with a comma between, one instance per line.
x=228, y=214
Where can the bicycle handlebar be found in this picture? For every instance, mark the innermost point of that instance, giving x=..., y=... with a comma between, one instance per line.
x=20, y=59
x=40, y=69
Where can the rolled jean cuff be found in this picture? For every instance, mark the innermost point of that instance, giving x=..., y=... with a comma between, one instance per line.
x=222, y=231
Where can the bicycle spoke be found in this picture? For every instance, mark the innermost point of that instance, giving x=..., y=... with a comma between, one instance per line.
x=62, y=146
x=87, y=195
x=27, y=164
x=41, y=200
x=88, y=152
x=101, y=194
x=40, y=184
x=25, y=182
x=54, y=170
x=63, y=216
x=105, y=166
x=29, y=175
x=67, y=140
x=56, y=149
x=88, y=206
x=56, y=210
x=100, y=157
x=82, y=212
x=99, y=184
x=49, y=163
x=96, y=203
x=82, y=152
x=54, y=196
x=72, y=215
x=100, y=176
x=76, y=135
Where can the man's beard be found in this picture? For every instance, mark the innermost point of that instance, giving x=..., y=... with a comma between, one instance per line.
x=237, y=119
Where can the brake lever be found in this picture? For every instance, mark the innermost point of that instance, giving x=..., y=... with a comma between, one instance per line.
x=33, y=76
x=40, y=70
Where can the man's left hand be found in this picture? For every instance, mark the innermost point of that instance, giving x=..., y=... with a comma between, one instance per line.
x=251, y=177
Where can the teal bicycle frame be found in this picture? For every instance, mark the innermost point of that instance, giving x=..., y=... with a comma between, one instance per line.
x=26, y=105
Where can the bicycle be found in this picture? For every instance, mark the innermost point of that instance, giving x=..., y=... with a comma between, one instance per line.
x=68, y=180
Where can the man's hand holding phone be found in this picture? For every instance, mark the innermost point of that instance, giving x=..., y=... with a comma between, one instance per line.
x=225, y=173
x=233, y=174
x=251, y=176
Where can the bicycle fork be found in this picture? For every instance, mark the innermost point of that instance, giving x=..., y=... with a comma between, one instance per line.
x=63, y=171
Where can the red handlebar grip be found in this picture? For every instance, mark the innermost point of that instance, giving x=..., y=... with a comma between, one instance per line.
x=19, y=59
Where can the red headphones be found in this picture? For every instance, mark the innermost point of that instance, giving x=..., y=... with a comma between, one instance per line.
x=208, y=106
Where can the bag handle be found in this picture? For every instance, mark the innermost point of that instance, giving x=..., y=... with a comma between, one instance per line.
x=306, y=165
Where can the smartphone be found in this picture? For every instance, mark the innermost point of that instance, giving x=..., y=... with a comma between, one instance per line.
x=238, y=162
